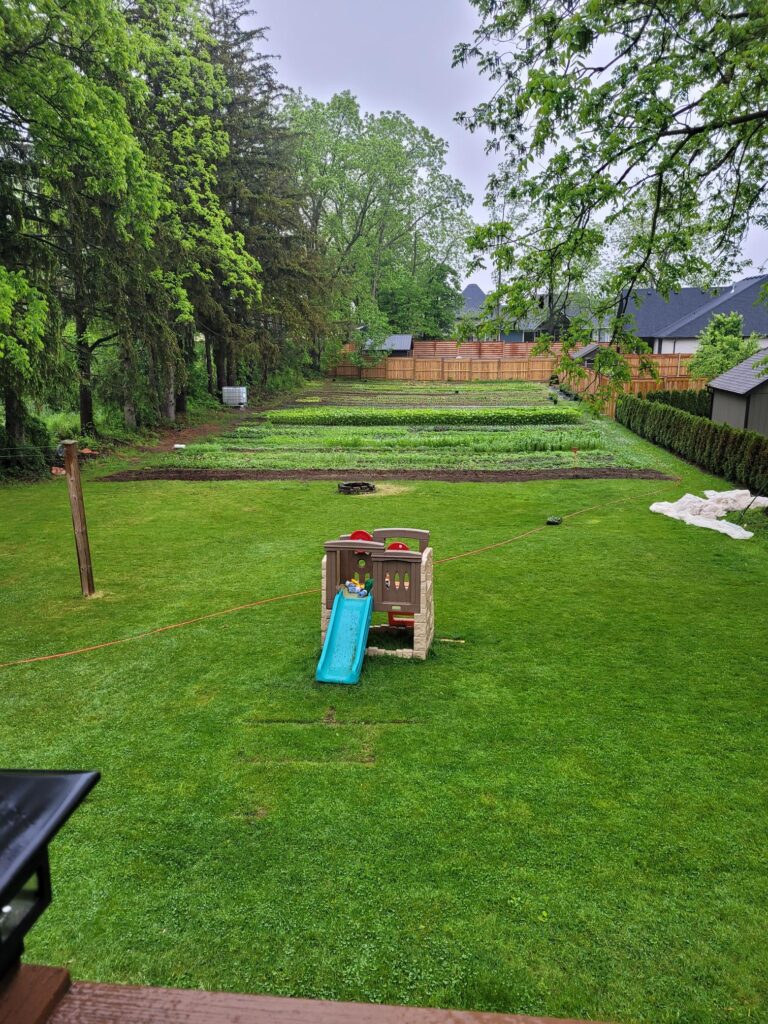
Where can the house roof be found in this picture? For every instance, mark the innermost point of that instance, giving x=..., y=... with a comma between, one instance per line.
x=474, y=297
x=687, y=312
x=743, y=378
x=651, y=312
x=742, y=297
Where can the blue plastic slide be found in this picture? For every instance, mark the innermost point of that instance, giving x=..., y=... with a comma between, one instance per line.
x=345, y=641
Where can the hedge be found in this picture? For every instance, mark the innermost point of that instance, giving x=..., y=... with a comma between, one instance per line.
x=698, y=403
x=738, y=455
x=362, y=417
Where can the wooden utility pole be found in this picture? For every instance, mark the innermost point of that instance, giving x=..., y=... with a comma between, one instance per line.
x=74, y=486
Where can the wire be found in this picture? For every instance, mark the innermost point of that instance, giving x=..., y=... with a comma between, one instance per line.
x=290, y=597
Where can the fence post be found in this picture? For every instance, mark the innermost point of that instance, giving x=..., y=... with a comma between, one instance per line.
x=74, y=486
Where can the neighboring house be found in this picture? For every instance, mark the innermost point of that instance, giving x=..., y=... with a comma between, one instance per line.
x=527, y=330
x=673, y=325
x=395, y=345
x=740, y=396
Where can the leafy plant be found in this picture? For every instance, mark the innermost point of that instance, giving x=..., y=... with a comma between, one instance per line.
x=722, y=346
x=378, y=417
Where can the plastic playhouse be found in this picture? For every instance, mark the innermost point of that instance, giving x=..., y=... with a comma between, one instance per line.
x=365, y=573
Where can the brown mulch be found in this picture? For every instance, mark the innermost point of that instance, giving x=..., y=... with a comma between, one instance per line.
x=447, y=476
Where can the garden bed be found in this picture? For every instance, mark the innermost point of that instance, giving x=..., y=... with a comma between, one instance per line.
x=447, y=476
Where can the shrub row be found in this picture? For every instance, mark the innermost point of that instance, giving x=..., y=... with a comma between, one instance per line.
x=351, y=417
x=697, y=403
x=738, y=455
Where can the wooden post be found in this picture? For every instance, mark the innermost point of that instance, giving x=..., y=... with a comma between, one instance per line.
x=74, y=486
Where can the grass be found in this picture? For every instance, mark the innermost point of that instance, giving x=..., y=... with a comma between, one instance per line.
x=564, y=815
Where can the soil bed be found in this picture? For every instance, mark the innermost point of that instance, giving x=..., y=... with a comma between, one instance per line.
x=447, y=476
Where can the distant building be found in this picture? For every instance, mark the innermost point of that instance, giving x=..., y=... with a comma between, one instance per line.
x=395, y=345
x=525, y=330
x=587, y=354
x=674, y=324
x=740, y=396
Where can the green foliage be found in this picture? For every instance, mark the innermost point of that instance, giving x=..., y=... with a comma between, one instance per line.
x=695, y=402
x=385, y=224
x=738, y=455
x=350, y=417
x=632, y=137
x=722, y=346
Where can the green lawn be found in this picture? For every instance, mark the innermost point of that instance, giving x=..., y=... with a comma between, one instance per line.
x=564, y=815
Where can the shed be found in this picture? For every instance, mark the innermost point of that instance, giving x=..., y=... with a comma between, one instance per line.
x=740, y=396
x=587, y=354
x=394, y=345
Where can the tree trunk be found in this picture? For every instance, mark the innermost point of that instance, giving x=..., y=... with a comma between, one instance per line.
x=231, y=367
x=209, y=366
x=168, y=410
x=221, y=368
x=181, y=402
x=14, y=417
x=129, y=406
x=84, y=357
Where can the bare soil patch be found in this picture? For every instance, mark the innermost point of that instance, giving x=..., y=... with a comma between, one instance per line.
x=441, y=475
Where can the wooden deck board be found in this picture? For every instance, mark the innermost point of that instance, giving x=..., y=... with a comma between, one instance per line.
x=116, y=1004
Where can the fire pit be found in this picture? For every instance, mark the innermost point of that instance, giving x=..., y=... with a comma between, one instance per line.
x=356, y=487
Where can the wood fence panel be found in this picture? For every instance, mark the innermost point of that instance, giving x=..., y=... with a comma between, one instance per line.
x=672, y=369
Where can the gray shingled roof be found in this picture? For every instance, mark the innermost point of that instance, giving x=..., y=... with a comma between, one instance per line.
x=394, y=343
x=743, y=378
x=742, y=297
x=586, y=351
x=687, y=312
x=651, y=312
x=474, y=297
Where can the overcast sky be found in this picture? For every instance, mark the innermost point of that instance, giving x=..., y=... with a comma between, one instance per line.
x=392, y=55
x=396, y=55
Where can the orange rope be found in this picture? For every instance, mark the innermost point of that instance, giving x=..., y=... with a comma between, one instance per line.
x=160, y=629
x=286, y=597
x=528, y=533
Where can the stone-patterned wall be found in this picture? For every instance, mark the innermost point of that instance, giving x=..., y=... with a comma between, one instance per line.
x=325, y=613
x=424, y=622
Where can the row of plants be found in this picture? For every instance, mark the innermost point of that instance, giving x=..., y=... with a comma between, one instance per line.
x=738, y=455
x=208, y=457
x=515, y=439
x=698, y=403
x=367, y=417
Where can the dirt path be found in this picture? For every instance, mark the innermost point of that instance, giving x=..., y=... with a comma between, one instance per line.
x=188, y=435
x=447, y=476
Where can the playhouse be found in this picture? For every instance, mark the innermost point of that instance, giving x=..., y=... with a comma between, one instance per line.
x=395, y=567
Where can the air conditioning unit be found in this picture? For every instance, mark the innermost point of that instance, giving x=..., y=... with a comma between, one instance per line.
x=236, y=398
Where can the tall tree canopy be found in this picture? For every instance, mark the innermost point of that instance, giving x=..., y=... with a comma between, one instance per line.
x=653, y=115
x=172, y=220
x=384, y=221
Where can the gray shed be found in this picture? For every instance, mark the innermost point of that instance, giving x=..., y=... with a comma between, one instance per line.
x=588, y=353
x=394, y=345
x=740, y=396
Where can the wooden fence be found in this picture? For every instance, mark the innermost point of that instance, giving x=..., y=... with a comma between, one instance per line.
x=437, y=370
x=460, y=369
x=639, y=386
